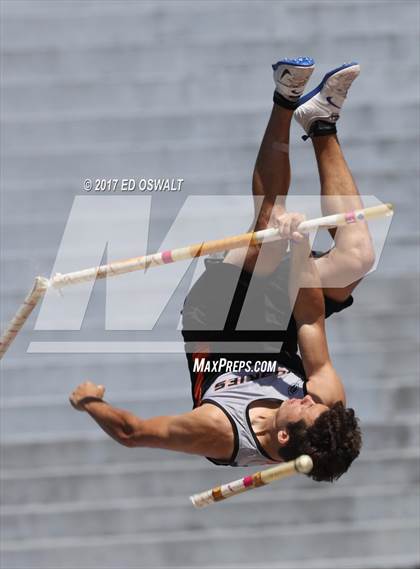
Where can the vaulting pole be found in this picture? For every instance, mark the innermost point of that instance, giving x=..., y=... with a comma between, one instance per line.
x=115, y=268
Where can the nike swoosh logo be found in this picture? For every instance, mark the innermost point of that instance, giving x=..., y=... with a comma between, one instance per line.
x=333, y=104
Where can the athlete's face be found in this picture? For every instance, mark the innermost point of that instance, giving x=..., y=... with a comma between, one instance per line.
x=293, y=410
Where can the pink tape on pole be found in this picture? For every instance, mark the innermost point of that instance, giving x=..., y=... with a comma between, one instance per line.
x=350, y=217
x=167, y=257
x=248, y=481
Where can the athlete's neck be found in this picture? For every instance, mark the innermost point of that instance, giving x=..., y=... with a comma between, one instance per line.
x=263, y=424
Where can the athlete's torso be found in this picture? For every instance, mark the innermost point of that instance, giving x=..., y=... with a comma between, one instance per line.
x=236, y=394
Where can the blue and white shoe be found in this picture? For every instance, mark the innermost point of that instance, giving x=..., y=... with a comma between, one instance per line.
x=325, y=102
x=290, y=77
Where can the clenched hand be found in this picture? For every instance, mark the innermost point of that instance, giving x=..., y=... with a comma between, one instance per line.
x=287, y=224
x=86, y=391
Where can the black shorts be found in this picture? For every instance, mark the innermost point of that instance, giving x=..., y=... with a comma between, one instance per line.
x=215, y=318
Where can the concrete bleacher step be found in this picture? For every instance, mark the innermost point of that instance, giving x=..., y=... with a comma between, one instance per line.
x=47, y=235
x=57, y=373
x=85, y=519
x=46, y=413
x=404, y=335
x=372, y=562
x=125, y=127
x=233, y=545
x=188, y=158
x=53, y=29
x=156, y=478
x=60, y=193
x=94, y=447
x=59, y=376
x=396, y=291
x=375, y=361
x=192, y=87
x=375, y=297
x=234, y=121
x=398, y=254
x=166, y=13
x=341, y=329
x=144, y=56
x=377, y=327
x=121, y=372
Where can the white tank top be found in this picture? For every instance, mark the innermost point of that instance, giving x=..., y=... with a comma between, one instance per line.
x=233, y=393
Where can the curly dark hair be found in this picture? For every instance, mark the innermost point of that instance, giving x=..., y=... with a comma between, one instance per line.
x=333, y=442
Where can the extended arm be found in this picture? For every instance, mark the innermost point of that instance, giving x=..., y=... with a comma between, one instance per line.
x=309, y=313
x=204, y=431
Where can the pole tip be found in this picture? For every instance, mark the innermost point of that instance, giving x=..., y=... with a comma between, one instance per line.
x=193, y=501
x=304, y=464
x=390, y=207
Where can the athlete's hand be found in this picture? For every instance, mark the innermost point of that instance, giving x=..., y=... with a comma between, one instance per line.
x=287, y=224
x=86, y=391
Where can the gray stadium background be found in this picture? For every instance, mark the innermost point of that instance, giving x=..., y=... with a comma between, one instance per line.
x=125, y=89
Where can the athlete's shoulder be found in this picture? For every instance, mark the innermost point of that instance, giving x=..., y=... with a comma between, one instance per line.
x=210, y=410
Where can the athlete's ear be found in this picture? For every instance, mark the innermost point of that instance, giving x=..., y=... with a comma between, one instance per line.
x=283, y=437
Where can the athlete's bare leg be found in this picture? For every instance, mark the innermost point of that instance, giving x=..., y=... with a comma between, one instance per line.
x=271, y=178
x=353, y=254
x=270, y=182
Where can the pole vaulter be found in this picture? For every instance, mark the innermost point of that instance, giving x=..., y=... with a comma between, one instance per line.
x=293, y=418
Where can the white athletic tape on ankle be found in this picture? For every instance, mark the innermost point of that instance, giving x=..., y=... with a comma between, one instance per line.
x=281, y=146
